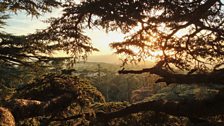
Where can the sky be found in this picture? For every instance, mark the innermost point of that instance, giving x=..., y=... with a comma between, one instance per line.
x=22, y=24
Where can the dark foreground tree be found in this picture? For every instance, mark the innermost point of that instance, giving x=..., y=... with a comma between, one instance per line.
x=188, y=34
x=27, y=49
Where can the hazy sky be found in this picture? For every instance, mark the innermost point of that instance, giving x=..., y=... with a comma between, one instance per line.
x=22, y=24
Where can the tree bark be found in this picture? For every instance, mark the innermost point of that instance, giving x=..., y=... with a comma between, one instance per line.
x=215, y=77
x=193, y=108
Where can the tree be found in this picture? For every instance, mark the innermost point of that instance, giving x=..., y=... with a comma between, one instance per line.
x=60, y=92
x=17, y=50
x=189, y=35
x=198, y=51
x=27, y=50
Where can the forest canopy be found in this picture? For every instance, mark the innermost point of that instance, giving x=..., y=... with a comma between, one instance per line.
x=189, y=34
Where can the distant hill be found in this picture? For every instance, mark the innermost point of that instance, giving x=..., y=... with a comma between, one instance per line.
x=94, y=66
x=113, y=59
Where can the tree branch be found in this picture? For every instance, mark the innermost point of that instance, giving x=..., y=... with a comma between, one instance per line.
x=194, y=108
x=216, y=77
x=177, y=108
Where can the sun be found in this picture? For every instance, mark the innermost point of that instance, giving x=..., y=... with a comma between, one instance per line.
x=101, y=40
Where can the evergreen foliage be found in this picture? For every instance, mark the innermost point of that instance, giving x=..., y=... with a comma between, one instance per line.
x=199, y=25
x=59, y=99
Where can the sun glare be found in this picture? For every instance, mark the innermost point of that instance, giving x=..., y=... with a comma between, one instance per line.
x=101, y=40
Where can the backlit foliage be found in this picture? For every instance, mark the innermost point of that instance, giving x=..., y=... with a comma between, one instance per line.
x=189, y=34
x=38, y=47
x=182, y=34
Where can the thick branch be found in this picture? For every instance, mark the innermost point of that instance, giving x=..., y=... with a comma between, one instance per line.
x=193, y=109
x=177, y=108
x=216, y=77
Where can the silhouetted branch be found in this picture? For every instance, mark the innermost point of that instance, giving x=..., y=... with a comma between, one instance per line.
x=216, y=77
